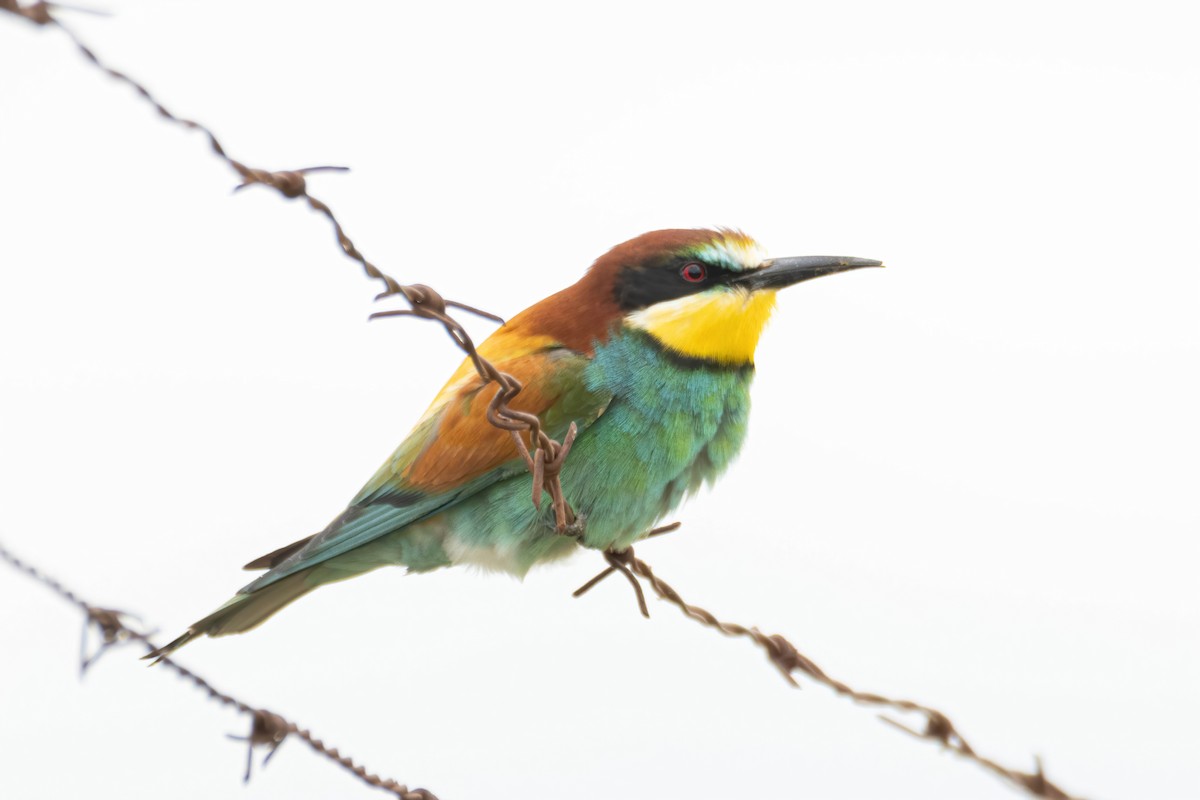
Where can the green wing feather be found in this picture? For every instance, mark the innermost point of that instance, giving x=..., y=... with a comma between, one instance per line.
x=457, y=446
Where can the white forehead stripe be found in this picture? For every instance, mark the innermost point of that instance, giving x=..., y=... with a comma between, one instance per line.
x=733, y=250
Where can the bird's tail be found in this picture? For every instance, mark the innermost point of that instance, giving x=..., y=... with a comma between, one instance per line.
x=244, y=611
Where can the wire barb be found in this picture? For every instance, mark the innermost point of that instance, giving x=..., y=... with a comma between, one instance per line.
x=38, y=13
x=112, y=631
x=289, y=183
x=266, y=730
x=618, y=561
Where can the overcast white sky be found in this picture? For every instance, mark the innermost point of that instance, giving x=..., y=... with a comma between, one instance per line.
x=971, y=478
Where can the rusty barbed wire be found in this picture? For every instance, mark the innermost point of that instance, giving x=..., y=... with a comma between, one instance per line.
x=267, y=729
x=788, y=660
x=543, y=457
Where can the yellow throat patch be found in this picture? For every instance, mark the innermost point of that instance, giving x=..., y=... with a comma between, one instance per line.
x=721, y=325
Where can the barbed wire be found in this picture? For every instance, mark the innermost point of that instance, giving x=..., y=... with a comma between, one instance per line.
x=543, y=457
x=788, y=660
x=267, y=729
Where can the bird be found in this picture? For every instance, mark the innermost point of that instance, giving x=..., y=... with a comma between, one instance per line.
x=649, y=357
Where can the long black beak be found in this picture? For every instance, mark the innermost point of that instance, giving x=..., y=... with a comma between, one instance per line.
x=776, y=273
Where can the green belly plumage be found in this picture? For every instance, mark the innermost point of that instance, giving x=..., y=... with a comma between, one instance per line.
x=673, y=424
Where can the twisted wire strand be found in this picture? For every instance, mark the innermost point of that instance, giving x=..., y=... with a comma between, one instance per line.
x=424, y=302
x=267, y=728
x=788, y=660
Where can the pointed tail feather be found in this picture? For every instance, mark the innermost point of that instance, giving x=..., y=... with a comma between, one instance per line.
x=273, y=558
x=243, y=612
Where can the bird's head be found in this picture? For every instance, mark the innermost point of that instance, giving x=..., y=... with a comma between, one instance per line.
x=703, y=294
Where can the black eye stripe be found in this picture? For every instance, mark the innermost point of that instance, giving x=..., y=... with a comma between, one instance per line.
x=641, y=285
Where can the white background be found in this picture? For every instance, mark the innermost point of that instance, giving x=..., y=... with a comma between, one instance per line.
x=971, y=478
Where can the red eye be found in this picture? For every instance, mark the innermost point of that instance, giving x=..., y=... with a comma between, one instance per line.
x=693, y=272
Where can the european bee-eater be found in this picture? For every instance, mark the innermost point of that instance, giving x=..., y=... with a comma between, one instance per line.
x=650, y=354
